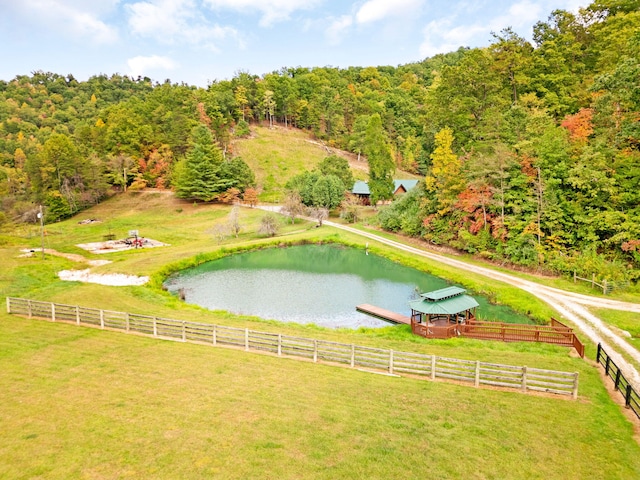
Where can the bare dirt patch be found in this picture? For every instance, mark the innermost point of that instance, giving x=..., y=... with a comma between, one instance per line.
x=110, y=246
x=111, y=279
x=70, y=256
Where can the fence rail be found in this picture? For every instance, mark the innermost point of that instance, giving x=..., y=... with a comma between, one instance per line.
x=556, y=333
x=620, y=382
x=356, y=356
x=607, y=286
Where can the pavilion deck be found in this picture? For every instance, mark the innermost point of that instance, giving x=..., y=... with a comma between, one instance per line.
x=444, y=327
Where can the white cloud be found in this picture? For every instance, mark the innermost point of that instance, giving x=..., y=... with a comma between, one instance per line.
x=71, y=17
x=176, y=21
x=272, y=10
x=140, y=66
x=520, y=14
x=375, y=10
x=338, y=29
x=440, y=36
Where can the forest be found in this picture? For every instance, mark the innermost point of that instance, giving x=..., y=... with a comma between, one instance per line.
x=530, y=151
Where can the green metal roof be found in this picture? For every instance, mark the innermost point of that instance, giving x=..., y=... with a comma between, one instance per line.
x=406, y=184
x=448, y=306
x=361, y=188
x=443, y=293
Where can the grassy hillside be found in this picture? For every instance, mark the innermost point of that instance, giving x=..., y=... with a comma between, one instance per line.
x=84, y=403
x=277, y=154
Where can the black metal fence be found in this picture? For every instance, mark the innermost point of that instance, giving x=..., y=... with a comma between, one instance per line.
x=631, y=397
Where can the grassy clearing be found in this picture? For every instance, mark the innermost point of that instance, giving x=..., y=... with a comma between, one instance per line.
x=276, y=155
x=99, y=404
x=627, y=321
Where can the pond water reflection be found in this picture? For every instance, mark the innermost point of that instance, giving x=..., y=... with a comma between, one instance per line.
x=320, y=284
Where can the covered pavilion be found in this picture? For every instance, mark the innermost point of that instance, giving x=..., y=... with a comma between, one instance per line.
x=442, y=307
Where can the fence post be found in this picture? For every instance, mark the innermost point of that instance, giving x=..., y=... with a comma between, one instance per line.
x=215, y=336
x=77, y=315
x=617, y=381
x=574, y=276
x=606, y=368
x=574, y=393
x=593, y=280
x=353, y=355
x=9, y=305
x=53, y=312
x=598, y=353
x=279, y=344
x=604, y=286
x=127, y=323
x=627, y=397
x=524, y=379
x=184, y=331
x=477, y=380
x=30, y=311
x=246, y=339
x=433, y=367
x=102, y=319
x=315, y=351
x=155, y=326
x=390, y=361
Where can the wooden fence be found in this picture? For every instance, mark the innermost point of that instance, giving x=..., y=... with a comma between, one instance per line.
x=556, y=333
x=607, y=286
x=621, y=384
x=576, y=343
x=388, y=361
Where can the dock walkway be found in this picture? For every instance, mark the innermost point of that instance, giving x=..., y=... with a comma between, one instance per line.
x=387, y=315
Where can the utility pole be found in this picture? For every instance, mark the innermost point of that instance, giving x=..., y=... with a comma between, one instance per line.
x=41, y=217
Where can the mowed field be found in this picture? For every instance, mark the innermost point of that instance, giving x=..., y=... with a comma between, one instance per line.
x=83, y=403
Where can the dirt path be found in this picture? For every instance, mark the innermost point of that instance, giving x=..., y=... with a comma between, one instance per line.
x=570, y=305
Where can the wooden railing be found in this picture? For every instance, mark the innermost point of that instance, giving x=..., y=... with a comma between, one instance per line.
x=620, y=382
x=556, y=333
x=389, y=361
x=434, y=331
x=576, y=343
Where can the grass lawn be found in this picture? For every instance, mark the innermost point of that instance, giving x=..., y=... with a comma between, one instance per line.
x=627, y=321
x=84, y=403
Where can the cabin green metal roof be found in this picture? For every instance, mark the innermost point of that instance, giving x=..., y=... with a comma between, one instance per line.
x=361, y=188
x=406, y=184
x=448, y=306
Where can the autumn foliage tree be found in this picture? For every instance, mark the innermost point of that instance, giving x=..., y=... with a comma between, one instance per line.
x=444, y=180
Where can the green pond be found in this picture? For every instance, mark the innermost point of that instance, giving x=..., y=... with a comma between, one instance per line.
x=319, y=284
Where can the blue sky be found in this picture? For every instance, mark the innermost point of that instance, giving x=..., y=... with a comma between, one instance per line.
x=198, y=41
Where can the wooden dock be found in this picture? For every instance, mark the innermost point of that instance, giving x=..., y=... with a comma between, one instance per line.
x=383, y=314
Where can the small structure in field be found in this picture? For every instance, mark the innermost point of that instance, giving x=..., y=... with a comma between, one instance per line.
x=443, y=307
x=448, y=312
x=361, y=189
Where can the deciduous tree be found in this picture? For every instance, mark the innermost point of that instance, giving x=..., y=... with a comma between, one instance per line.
x=381, y=165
